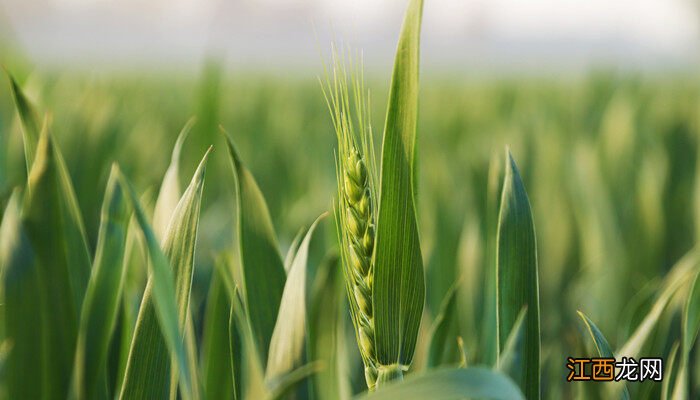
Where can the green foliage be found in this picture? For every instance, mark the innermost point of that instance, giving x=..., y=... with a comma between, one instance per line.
x=452, y=384
x=261, y=263
x=31, y=128
x=288, y=346
x=604, y=350
x=399, y=290
x=22, y=309
x=148, y=371
x=54, y=227
x=108, y=288
x=103, y=295
x=217, y=372
x=444, y=349
x=517, y=277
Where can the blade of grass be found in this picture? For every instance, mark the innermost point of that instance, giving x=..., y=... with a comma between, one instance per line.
x=679, y=275
x=252, y=375
x=511, y=357
x=55, y=229
x=136, y=268
x=451, y=384
x=326, y=330
x=517, y=275
x=398, y=294
x=288, y=344
x=5, y=348
x=148, y=369
x=30, y=121
x=192, y=359
x=605, y=351
x=103, y=294
x=216, y=351
x=689, y=333
x=489, y=331
x=236, y=344
x=292, y=252
x=261, y=263
x=443, y=348
x=22, y=309
x=670, y=375
x=169, y=194
x=283, y=385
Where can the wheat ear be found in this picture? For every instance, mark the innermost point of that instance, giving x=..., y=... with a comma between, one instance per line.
x=356, y=203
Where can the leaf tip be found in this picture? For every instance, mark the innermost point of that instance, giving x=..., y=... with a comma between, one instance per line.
x=114, y=169
x=232, y=150
x=181, y=137
x=202, y=167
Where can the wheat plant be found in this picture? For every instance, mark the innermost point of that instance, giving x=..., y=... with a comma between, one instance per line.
x=124, y=273
x=368, y=273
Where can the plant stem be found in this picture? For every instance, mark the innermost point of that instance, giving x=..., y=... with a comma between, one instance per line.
x=389, y=373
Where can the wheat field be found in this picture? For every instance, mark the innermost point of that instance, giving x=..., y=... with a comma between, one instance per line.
x=370, y=234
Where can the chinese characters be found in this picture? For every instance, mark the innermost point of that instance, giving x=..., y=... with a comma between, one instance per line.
x=608, y=369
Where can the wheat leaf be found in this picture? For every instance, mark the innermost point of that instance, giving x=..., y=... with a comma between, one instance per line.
x=22, y=306
x=169, y=194
x=605, y=351
x=148, y=371
x=217, y=373
x=443, y=349
x=399, y=288
x=287, y=346
x=30, y=121
x=55, y=229
x=451, y=384
x=517, y=276
x=103, y=294
x=261, y=263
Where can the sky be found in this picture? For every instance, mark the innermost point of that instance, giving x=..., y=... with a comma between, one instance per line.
x=279, y=34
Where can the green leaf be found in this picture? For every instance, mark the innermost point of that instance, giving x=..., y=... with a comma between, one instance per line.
x=22, y=310
x=5, y=348
x=292, y=252
x=148, y=369
x=691, y=326
x=489, y=330
x=679, y=275
x=511, y=357
x=326, y=333
x=102, y=298
x=282, y=385
x=517, y=276
x=136, y=266
x=670, y=374
x=444, y=349
x=163, y=289
x=245, y=357
x=238, y=328
x=55, y=229
x=261, y=263
x=169, y=194
x=236, y=338
x=216, y=351
x=604, y=350
x=192, y=361
x=288, y=343
x=691, y=315
x=399, y=287
x=451, y=384
x=30, y=121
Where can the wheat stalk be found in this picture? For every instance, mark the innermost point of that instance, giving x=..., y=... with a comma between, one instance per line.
x=355, y=211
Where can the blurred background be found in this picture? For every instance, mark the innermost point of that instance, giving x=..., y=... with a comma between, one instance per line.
x=598, y=100
x=279, y=34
